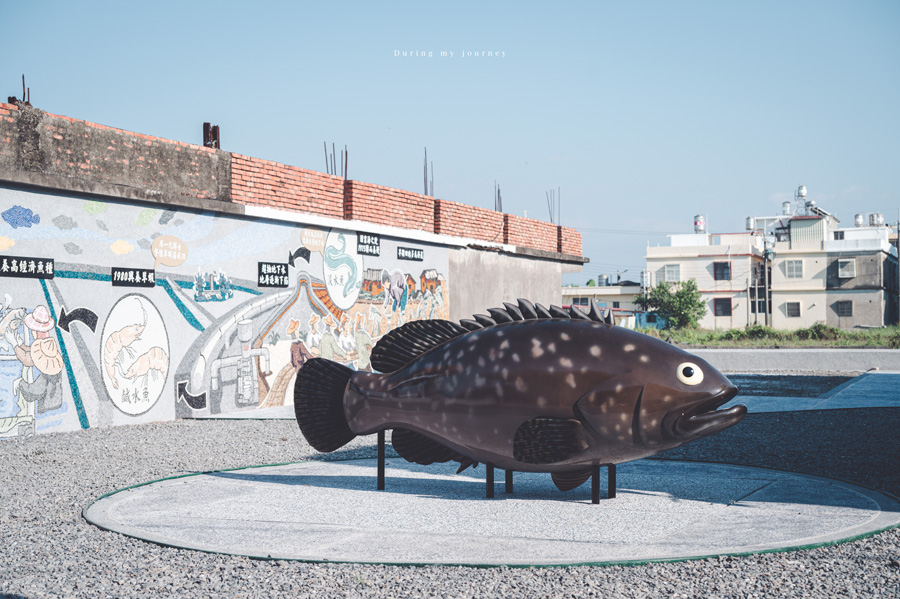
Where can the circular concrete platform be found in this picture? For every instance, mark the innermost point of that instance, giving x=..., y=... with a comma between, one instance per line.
x=331, y=511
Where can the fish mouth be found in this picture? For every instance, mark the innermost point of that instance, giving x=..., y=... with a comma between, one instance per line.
x=703, y=418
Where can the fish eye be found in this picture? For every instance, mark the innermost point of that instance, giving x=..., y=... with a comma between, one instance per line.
x=689, y=373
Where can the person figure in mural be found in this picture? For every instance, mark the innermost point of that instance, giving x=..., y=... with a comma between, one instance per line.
x=299, y=352
x=364, y=344
x=43, y=355
x=314, y=337
x=328, y=346
x=438, y=311
x=46, y=390
x=396, y=294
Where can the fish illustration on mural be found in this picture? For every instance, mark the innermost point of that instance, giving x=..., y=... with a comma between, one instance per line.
x=337, y=257
x=525, y=389
x=17, y=216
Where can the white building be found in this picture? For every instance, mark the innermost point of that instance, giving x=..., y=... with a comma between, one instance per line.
x=811, y=269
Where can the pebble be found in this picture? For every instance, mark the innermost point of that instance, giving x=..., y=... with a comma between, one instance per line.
x=49, y=550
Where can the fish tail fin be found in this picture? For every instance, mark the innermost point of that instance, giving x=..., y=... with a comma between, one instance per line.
x=319, y=404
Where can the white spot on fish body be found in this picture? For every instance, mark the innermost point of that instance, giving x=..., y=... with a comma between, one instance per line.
x=570, y=380
x=565, y=362
x=505, y=373
x=623, y=416
x=541, y=402
x=564, y=336
x=629, y=347
x=552, y=348
x=480, y=381
x=481, y=362
x=520, y=384
x=619, y=388
x=515, y=357
x=505, y=344
x=645, y=359
x=536, y=351
x=595, y=351
x=460, y=354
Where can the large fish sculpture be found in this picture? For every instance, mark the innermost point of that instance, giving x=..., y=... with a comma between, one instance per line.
x=525, y=389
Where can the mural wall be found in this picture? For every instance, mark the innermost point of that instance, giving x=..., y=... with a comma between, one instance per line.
x=112, y=313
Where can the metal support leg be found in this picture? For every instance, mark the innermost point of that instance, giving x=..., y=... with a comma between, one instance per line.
x=509, y=486
x=611, y=482
x=489, y=480
x=595, y=483
x=381, y=460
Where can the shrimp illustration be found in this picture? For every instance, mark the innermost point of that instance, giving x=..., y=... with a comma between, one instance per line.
x=119, y=342
x=155, y=361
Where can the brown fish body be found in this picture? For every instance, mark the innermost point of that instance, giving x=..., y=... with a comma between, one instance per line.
x=545, y=394
x=473, y=393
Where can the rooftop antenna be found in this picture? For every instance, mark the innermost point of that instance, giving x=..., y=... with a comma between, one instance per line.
x=498, y=199
x=432, y=179
x=327, y=167
x=425, y=166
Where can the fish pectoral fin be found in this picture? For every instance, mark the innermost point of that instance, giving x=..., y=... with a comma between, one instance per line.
x=570, y=479
x=548, y=440
x=419, y=449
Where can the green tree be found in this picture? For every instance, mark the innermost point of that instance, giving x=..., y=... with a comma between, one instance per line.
x=679, y=303
x=591, y=283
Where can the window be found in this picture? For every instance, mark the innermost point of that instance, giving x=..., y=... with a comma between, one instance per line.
x=844, y=308
x=846, y=268
x=615, y=304
x=838, y=235
x=792, y=309
x=793, y=269
x=722, y=271
x=722, y=306
x=672, y=273
x=651, y=318
x=581, y=301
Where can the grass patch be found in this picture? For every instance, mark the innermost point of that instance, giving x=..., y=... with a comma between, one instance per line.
x=818, y=335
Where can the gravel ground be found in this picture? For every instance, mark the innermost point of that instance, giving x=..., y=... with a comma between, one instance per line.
x=48, y=550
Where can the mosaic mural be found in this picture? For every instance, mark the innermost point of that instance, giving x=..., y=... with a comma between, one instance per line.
x=112, y=313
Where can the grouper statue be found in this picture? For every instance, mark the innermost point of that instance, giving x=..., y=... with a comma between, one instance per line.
x=525, y=389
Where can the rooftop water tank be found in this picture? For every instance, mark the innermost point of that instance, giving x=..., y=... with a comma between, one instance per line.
x=699, y=224
x=876, y=219
x=750, y=223
x=859, y=221
x=786, y=208
x=603, y=280
x=801, y=191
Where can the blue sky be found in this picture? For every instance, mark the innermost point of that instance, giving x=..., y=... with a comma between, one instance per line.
x=642, y=113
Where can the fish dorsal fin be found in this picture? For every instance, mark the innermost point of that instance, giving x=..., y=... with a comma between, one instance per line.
x=527, y=309
x=513, y=310
x=470, y=324
x=499, y=315
x=404, y=344
x=594, y=313
x=577, y=314
x=557, y=312
x=419, y=449
x=548, y=440
x=485, y=321
x=542, y=312
x=570, y=479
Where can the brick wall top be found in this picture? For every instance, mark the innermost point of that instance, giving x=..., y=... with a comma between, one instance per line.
x=463, y=220
x=61, y=152
x=388, y=206
x=267, y=183
x=531, y=233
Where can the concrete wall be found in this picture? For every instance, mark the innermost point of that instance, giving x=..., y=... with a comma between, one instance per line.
x=483, y=279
